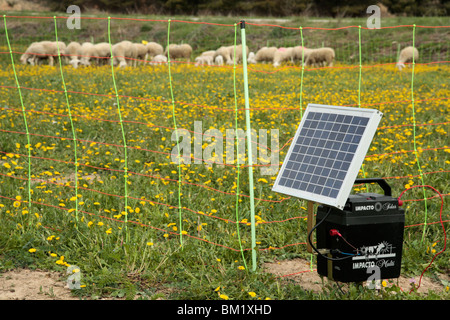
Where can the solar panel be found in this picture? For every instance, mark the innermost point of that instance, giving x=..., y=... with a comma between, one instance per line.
x=326, y=153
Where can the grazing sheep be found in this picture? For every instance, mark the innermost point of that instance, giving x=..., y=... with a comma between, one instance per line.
x=158, y=59
x=72, y=53
x=265, y=54
x=87, y=52
x=103, y=51
x=58, y=45
x=57, y=48
x=238, y=51
x=204, y=59
x=251, y=58
x=300, y=52
x=283, y=55
x=209, y=53
x=42, y=50
x=154, y=49
x=141, y=53
x=224, y=52
x=122, y=51
x=179, y=51
x=218, y=60
x=406, y=56
x=29, y=54
x=227, y=52
x=320, y=57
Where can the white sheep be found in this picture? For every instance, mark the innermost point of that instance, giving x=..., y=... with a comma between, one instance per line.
x=122, y=51
x=265, y=54
x=72, y=53
x=227, y=52
x=103, y=51
x=57, y=48
x=218, y=60
x=320, y=57
x=141, y=53
x=204, y=59
x=224, y=52
x=301, y=54
x=208, y=53
x=238, y=51
x=42, y=50
x=29, y=54
x=179, y=51
x=158, y=59
x=87, y=52
x=283, y=55
x=154, y=49
x=251, y=58
x=407, y=55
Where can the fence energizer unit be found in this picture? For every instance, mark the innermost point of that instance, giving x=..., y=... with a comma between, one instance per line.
x=363, y=239
x=357, y=235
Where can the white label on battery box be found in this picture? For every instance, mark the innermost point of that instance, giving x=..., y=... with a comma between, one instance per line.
x=381, y=252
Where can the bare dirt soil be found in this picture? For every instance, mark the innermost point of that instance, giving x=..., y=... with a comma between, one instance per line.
x=25, y=284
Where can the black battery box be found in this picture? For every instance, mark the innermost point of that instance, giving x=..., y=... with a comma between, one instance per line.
x=364, y=239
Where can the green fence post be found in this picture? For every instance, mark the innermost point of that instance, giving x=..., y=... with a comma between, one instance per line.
x=249, y=146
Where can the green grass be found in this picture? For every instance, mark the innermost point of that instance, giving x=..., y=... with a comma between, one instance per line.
x=143, y=256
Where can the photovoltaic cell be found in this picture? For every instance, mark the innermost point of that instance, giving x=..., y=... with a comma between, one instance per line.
x=326, y=153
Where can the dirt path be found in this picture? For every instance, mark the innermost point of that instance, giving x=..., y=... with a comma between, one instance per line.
x=25, y=284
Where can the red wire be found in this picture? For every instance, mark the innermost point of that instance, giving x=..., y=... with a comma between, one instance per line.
x=340, y=235
x=442, y=224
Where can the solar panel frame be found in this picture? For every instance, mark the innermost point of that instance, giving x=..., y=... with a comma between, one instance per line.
x=329, y=146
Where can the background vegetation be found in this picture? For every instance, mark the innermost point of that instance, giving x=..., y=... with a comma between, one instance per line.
x=328, y=8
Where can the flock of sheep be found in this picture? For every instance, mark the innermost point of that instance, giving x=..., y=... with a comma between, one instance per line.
x=128, y=53
x=84, y=54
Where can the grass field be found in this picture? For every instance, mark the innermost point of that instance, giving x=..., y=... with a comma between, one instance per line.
x=119, y=221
